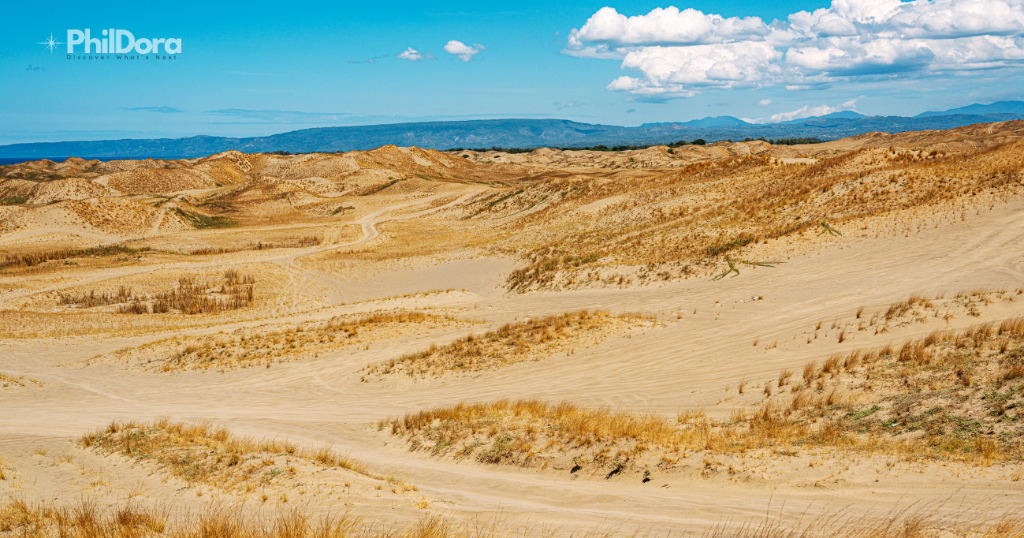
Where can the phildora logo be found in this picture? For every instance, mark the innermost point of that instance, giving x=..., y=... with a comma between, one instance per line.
x=116, y=44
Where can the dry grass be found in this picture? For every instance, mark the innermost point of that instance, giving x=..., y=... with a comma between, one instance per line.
x=203, y=454
x=32, y=259
x=266, y=345
x=529, y=340
x=87, y=518
x=950, y=393
x=668, y=225
x=10, y=382
x=298, y=242
x=531, y=432
x=917, y=309
x=191, y=296
x=899, y=309
x=948, y=396
x=92, y=299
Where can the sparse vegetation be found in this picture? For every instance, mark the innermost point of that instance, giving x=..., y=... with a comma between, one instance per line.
x=14, y=200
x=747, y=205
x=87, y=518
x=204, y=454
x=11, y=382
x=956, y=391
x=960, y=390
x=36, y=258
x=199, y=220
x=191, y=296
x=299, y=242
x=266, y=345
x=511, y=343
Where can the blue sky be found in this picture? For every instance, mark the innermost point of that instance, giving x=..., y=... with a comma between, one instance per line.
x=258, y=68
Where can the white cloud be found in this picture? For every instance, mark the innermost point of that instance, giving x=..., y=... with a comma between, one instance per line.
x=464, y=52
x=410, y=54
x=764, y=103
x=680, y=53
x=570, y=104
x=667, y=26
x=805, y=111
x=682, y=70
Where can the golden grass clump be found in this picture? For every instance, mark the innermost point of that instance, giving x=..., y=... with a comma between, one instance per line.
x=527, y=432
x=266, y=345
x=204, y=454
x=32, y=259
x=296, y=242
x=191, y=296
x=11, y=382
x=530, y=340
x=88, y=300
x=896, y=310
x=952, y=393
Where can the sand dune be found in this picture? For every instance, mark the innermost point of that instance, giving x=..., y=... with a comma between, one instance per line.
x=737, y=264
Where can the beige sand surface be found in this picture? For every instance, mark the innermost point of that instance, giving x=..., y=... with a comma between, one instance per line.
x=709, y=336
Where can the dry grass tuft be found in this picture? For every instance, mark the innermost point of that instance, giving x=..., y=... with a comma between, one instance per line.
x=529, y=432
x=204, y=454
x=952, y=393
x=516, y=342
x=32, y=259
x=191, y=296
x=901, y=308
x=299, y=242
x=265, y=345
x=10, y=382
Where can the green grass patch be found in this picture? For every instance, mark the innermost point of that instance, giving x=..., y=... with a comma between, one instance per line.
x=14, y=200
x=198, y=220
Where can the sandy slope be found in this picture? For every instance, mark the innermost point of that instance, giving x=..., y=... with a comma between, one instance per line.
x=687, y=362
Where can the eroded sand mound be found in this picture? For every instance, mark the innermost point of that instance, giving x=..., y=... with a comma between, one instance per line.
x=158, y=181
x=654, y=156
x=69, y=189
x=112, y=218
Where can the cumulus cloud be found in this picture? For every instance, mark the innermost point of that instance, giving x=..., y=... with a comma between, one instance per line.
x=764, y=103
x=410, y=54
x=667, y=26
x=464, y=52
x=671, y=71
x=679, y=53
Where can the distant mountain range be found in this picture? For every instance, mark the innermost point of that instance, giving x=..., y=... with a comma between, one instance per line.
x=1002, y=107
x=519, y=133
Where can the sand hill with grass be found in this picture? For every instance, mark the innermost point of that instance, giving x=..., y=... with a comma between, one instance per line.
x=736, y=339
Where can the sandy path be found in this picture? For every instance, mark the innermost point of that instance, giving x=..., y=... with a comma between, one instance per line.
x=367, y=223
x=336, y=288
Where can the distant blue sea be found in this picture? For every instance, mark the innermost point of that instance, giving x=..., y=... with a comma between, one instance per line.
x=16, y=160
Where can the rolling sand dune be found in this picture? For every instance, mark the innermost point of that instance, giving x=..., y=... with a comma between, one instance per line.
x=710, y=383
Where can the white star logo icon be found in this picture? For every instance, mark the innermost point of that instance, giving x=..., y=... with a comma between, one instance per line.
x=51, y=43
